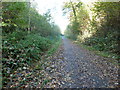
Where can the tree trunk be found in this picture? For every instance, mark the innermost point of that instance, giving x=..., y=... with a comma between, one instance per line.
x=74, y=11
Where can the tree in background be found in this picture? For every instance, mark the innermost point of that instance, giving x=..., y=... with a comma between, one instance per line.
x=14, y=16
x=27, y=35
x=72, y=8
x=97, y=24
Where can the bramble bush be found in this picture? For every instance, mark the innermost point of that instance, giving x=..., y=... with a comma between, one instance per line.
x=23, y=52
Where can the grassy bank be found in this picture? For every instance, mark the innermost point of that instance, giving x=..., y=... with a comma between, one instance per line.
x=20, y=53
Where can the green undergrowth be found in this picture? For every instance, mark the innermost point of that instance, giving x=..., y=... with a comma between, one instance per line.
x=20, y=50
x=55, y=46
x=51, y=51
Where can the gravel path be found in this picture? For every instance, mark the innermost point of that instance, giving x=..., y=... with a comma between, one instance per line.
x=75, y=67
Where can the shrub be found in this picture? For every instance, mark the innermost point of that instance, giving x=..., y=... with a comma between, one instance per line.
x=22, y=53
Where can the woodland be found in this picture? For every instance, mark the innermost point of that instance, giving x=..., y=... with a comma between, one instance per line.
x=28, y=35
x=95, y=24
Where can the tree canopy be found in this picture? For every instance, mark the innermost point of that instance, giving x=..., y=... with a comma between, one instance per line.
x=95, y=24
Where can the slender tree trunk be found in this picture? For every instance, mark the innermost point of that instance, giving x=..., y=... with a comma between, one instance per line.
x=29, y=18
x=74, y=11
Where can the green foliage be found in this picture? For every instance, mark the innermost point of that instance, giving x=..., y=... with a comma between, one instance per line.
x=108, y=43
x=27, y=36
x=101, y=23
x=23, y=53
x=70, y=33
x=56, y=42
x=76, y=27
x=35, y=42
x=15, y=37
x=20, y=15
x=107, y=36
x=14, y=15
x=42, y=24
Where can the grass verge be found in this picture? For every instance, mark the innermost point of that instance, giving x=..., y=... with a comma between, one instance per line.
x=54, y=47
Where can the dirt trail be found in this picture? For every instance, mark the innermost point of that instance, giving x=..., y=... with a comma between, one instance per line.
x=76, y=67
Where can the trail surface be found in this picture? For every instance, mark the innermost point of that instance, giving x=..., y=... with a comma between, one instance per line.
x=76, y=67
